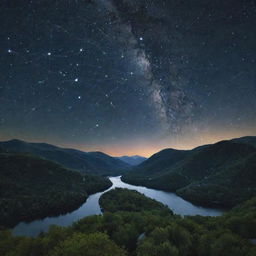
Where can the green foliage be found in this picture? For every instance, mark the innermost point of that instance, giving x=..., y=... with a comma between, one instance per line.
x=220, y=175
x=141, y=233
x=87, y=245
x=224, y=244
x=147, y=232
x=242, y=219
x=228, y=187
x=121, y=199
x=31, y=188
x=149, y=248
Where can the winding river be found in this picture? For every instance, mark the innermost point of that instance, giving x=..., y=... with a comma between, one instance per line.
x=91, y=207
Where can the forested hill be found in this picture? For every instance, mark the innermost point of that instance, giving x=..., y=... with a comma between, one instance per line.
x=85, y=162
x=32, y=188
x=120, y=199
x=221, y=174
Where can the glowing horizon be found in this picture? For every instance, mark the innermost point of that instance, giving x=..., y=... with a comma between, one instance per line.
x=142, y=148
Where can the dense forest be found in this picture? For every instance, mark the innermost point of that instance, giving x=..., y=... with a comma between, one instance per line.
x=32, y=188
x=121, y=199
x=217, y=175
x=151, y=231
x=132, y=224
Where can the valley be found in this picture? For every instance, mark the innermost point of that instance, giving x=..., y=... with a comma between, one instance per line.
x=174, y=193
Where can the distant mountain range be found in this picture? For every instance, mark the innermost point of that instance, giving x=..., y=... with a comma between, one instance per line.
x=132, y=160
x=221, y=174
x=85, y=162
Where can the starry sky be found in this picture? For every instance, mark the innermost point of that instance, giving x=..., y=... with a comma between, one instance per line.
x=127, y=76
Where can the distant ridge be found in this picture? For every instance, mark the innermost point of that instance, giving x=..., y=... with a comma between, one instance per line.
x=85, y=162
x=132, y=160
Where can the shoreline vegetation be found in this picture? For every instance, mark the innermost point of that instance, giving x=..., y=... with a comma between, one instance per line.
x=126, y=228
x=220, y=175
x=34, y=188
x=131, y=223
x=123, y=199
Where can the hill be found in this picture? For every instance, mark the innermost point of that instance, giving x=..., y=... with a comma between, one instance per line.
x=229, y=186
x=92, y=162
x=249, y=140
x=121, y=199
x=132, y=160
x=199, y=174
x=32, y=188
x=161, y=160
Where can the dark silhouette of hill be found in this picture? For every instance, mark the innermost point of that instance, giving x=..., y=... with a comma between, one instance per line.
x=91, y=162
x=249, y=140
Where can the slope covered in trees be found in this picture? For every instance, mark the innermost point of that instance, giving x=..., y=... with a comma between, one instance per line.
x=143, y=233
x=121, y=199
x=228, y=187
x=32, y=188
x=222, y=174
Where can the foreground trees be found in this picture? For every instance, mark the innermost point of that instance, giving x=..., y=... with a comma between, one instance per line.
x=142, y=233
x=87, y=245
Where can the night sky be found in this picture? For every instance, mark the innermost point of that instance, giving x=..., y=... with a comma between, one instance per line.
x=127, y=76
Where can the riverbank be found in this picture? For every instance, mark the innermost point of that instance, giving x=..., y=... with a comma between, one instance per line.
x=118, y=231
x=91, y=207
x=33, y=188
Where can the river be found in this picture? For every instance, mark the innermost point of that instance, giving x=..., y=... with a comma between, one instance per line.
x=91, y=207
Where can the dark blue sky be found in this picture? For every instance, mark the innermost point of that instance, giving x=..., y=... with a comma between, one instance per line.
x=127, y=77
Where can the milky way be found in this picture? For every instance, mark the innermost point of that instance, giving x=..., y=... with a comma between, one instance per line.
x=115, y=75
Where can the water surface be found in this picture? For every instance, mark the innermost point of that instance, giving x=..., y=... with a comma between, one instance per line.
x=91, y=207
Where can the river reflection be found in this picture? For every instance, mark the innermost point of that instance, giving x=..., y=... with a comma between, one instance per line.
x=91, y=207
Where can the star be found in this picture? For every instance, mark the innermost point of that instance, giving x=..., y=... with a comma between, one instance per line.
x=100, y=71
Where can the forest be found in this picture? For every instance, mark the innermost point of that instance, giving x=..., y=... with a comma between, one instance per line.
x=134, y=231
x=217, y=175
x=32, y=188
